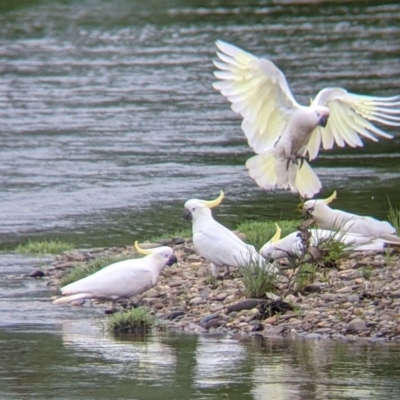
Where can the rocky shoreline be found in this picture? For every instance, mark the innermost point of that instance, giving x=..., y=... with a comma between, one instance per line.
x=360, y=299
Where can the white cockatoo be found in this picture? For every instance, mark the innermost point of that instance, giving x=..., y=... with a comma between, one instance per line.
x=328, y=218
x=282, y=132
x=216, y=243
x=121, y=280
x=291, y=244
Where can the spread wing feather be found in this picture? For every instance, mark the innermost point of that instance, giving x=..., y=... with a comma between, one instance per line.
x=258, y=91
x=350, y=119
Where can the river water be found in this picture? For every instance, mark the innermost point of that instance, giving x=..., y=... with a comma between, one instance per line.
x=109, y=122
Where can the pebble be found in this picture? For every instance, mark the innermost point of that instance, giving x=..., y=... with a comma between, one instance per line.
x=356, y=326
x=36, y=274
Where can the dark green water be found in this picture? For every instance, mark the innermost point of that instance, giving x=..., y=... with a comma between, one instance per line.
x=78, y=362
x=109, y=122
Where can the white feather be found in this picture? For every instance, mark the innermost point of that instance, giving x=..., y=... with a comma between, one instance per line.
x=291, y=244
x=328, y=218
x=216, y=243
x=272, y=118
x=121, y=280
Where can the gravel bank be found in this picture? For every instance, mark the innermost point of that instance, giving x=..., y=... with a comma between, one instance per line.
x=358, y=300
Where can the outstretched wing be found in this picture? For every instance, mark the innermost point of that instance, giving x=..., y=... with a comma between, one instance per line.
x=258, y=92
x=350, y=116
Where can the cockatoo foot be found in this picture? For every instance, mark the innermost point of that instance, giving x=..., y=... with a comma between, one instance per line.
x=294, y=160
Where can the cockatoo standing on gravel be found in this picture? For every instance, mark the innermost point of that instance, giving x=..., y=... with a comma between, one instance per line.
x=283, y=132
x=121, y=280
x=328, y=218
x=216, y=243
x=291, y=244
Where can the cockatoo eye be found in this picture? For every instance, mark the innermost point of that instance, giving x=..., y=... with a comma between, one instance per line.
x=193, y=208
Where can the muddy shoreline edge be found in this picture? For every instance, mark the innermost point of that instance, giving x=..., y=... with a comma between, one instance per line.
x=360, y=300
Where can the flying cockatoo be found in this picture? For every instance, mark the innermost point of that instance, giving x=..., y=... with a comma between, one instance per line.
x=282, y=132
x=216, y=243
x=291, y=244
x=121, y=280
x=328, y=218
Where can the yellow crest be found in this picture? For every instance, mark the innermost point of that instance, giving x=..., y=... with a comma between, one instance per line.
x=277, y=235
x=140, y=250
x=213, y=203
x=332, y=197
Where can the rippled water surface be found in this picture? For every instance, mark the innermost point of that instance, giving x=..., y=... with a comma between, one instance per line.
x=78, y=361
x=109, y=122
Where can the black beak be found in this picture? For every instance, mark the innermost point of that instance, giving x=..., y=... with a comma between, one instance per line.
x=187, y=215
x=172, y=260
x=323, y=121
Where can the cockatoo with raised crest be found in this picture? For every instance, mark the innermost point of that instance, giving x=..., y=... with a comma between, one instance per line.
x=282, y=132
x=329, y=218
x=292, y=244
x=216, y=243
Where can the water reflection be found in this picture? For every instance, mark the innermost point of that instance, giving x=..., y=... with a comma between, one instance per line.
x=149, y=358
x=217, y=360
x=77, y=360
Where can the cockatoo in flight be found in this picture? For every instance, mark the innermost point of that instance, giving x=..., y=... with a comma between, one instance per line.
x=282, y=132
x=121, y=280
x=328, y=218
x=216, y=243
x=291, y=244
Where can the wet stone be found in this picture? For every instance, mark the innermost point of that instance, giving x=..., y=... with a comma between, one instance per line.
x=36, y=274
x=356, y=325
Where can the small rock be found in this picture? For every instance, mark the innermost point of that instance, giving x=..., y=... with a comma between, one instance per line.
x=36, y=274
x=312, y=288
x=353, y=298
x=245, y=305
x=313, y=336
x=270, y=320
x=344, y=289
x=356, y=325
x=275, y=330
x=230, y=298
x=257, y=328
x=349, y=274
x=172, y=315
x=196, y=301
x=322, y=330
x=152, y=293
x=214, y=323
x=208, y=318
x=221, y=296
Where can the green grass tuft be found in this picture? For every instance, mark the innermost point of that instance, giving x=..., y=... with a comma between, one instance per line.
x=394, y=216
x=258, y=233
x=54, y=246
x=135, y=320
x=82, y=270
x=258, y=279
x=212, y=281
